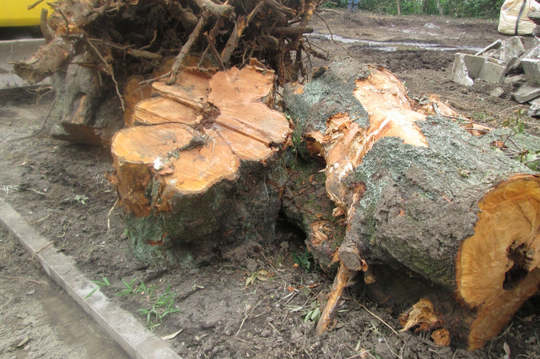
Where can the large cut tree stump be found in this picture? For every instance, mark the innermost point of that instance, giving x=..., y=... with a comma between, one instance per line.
x=422, y=194
x=199, y=173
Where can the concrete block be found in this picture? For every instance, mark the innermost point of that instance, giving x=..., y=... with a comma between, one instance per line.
x=474, y=65
x=459, y=71
x=493, y=72
x=527, y=92
x=511, y=48
x=532, y=70
x=492, y=46
x=515, y=80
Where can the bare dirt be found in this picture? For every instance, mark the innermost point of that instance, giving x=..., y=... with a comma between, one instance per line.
x=61, y=190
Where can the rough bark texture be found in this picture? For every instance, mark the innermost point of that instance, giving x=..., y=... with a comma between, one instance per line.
x=422, y=193
x=200, y=174
x=85, y=112
x=306, y=204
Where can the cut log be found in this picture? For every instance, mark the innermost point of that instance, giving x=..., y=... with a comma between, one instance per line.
x=423, y=194
x=200, y=172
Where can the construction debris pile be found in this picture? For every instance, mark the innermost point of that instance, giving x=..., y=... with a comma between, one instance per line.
x=504, y=61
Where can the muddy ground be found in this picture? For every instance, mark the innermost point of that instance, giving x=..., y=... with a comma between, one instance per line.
x=61, y=190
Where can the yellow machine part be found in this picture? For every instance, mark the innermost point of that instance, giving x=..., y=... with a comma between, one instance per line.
x=16, y=13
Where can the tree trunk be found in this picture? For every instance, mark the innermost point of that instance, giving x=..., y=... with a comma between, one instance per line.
x=200, y=173
x=423, y=194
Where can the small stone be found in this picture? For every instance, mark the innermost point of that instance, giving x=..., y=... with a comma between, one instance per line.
x=527, y=92
x=534, y=110
x=31, y=292
x=269, y=319
x=266, y=333
x=123, y=236
x=293, y=247
x=513, y=80
x=497, y=92
x=284, y=245
x=532, y=340
x=194, y=271
x=252, y=265
x=429, y=25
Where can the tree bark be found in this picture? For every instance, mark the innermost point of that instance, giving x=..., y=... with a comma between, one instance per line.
x=423, y=194
x=200, y=172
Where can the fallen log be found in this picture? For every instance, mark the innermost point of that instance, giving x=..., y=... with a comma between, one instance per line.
x=200, y=175
x=422, y=194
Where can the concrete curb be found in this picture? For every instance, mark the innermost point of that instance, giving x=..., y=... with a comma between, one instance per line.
x=132, y=336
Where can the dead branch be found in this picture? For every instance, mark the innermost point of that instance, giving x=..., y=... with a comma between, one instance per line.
x=254, y=12
x=226, y=10
x=232, y=43
x=214, y=52
x=141, y=54
x=30, y=7
x=47, y=32
x=187, y=18
x=187, y=46
x=340, y=282
x=280, y=10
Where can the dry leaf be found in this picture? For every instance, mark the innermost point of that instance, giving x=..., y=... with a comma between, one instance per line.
x=441, y=337
x=172, y=336
x=506, y=349
x=421, y=314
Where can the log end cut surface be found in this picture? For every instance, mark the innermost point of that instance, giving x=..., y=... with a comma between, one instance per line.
x=196, y=133
x=497, y=268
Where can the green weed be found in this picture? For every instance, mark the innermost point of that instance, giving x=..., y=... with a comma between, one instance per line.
x=161, y=307
x=314, y=313
x=129, y=288
x=303, y=260
x=104, y=283
x=81, y=198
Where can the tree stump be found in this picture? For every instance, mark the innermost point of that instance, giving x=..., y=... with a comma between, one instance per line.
x=200, y=174
x=421, y=193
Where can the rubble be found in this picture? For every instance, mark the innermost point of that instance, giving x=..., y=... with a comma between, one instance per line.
x=503, y=61
x=534, y=110
x=497, y=92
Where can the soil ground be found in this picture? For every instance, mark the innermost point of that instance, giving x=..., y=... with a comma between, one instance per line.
x=61, y=190
x=39, y=320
